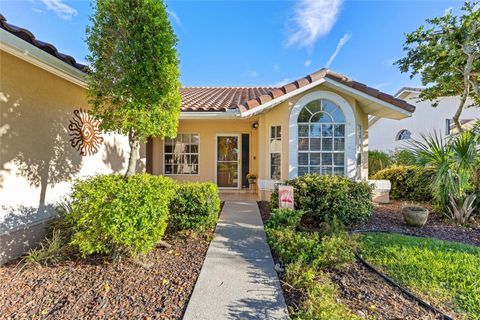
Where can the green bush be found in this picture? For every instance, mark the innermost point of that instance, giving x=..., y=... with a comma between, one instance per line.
x=323, y=197
x=320, y=250
x=112, y=214
x=195, y=206
x=378, y=160
x=410, y=183
x=404, y=157
x=307, y=255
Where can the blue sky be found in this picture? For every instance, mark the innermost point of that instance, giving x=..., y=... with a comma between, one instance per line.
x=248, y=43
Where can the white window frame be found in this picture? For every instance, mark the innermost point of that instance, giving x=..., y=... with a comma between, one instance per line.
x=321, y=152
x=198, y=155
x=271, y=152
x=350, y=128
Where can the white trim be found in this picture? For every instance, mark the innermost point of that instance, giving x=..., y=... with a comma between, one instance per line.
x=270, y=149
x=239, y=158
x=274, y=102
x=198, y=115
x=173, y=175
x=28, y=52
x=369, y=97
x=350, y=131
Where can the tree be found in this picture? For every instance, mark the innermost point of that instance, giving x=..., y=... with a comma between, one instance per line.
x=133, y=86
x=446, y=54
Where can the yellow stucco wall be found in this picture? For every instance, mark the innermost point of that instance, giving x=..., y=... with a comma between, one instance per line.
x=37, y=161
x=208, y=130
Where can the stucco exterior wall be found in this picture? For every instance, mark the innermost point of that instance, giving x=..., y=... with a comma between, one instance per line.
x=207, y=131
x=426, y=119
x=38, y=163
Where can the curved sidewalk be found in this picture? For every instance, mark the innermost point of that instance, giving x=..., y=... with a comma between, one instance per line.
x=238, y=280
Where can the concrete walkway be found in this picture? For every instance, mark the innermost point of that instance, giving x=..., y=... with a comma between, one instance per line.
x=237, y=280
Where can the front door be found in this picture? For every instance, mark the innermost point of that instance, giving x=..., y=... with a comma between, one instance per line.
x=228, y=159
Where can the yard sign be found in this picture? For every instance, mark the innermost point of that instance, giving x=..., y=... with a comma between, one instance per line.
x=285, y=197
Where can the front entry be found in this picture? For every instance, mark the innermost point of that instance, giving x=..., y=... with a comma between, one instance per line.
x=228, y=160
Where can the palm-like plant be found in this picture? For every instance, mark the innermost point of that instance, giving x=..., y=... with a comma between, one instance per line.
x=455, y=162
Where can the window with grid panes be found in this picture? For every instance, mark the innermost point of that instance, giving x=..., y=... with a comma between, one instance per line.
x=275, y=152
x=181, y=154
x=321, y=139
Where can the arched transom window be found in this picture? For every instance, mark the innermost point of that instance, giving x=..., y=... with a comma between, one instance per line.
x=403, y=134
x=321, y=139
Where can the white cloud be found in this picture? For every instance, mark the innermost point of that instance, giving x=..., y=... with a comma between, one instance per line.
x=313, y=19
x=37, y=10
x=276, y=68
x=382, y=85
x=61, y=9
x=307, y=63
x=175, y=17
x=343, y=41
x=281, y=83
x=447, y=11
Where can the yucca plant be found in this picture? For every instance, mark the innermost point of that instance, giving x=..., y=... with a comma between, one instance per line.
x=455, y=161
x=461, y=210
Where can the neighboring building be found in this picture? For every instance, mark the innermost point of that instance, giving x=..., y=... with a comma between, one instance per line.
x=388, y=135
x=317, y=124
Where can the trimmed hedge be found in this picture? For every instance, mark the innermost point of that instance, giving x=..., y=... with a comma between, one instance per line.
x=410, y=183
x=195, y=206
x=112, y=214
x=325, y=197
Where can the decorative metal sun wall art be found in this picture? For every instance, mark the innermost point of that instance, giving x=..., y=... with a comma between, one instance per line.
x=85, y=133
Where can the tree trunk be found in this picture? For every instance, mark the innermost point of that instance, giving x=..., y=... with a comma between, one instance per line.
x=466, y=88
x=134, y=148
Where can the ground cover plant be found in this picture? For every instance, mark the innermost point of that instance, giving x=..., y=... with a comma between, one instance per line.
x=323, y=197
x=445, y=273
x=308, y=255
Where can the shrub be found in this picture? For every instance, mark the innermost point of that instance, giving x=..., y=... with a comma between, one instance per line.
x=323, y=197
x=195, y=206
x=404, y=157
x=112, y=214
x=408, y=182
x=329, y=249
x=378, y=160
x=307, y=254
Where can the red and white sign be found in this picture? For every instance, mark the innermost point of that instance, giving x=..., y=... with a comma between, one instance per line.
x=285, y=197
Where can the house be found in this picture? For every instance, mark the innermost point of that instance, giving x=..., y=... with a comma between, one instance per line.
x=316, y=124
x=387, y=135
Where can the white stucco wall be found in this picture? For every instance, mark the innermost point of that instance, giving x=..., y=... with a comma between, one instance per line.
x=425, y=119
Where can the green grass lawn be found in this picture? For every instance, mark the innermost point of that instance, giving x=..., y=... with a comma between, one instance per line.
x=443, y=272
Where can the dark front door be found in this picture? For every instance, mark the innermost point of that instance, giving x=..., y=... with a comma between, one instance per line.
x=245, y=158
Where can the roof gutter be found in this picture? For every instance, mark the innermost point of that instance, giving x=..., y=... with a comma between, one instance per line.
x=272, y=103
x=206, y=115
x=28, y=52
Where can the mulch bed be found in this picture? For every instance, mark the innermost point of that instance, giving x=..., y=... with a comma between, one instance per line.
x=388, y=217
x=97, y=289
x=363, y=292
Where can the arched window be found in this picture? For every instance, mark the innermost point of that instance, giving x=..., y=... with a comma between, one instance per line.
x=321, y=139
x=403, y=134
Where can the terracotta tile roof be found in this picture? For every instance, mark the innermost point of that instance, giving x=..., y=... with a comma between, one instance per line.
x=27, y=36
x=219, y=98
x=224, y=98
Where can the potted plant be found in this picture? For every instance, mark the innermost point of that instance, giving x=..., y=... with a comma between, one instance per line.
x=252, y=178
x=415, y=216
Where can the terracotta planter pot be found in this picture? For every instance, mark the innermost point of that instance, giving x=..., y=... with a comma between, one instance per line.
x=415, y=216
